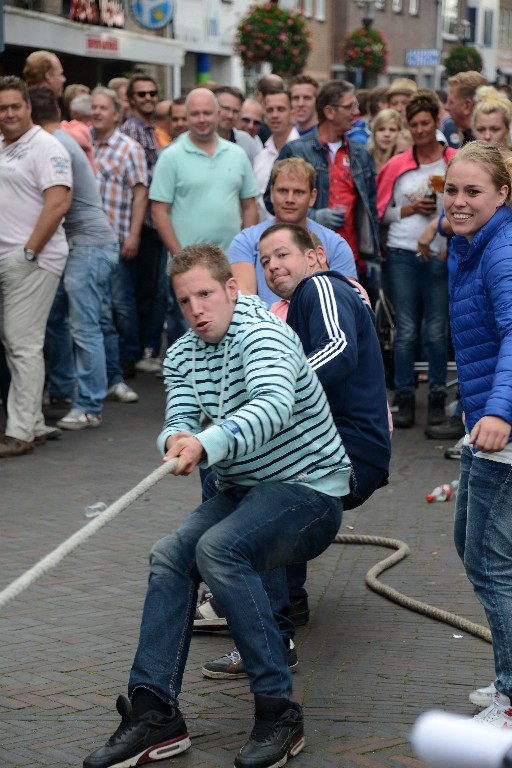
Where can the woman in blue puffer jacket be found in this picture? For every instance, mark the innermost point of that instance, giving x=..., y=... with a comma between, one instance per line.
x=477, y=200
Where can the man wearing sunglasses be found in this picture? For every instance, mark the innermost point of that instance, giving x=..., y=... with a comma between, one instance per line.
x=250, y=119
x=149, y=266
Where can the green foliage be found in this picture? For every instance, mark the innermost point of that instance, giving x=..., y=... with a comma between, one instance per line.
x=272, y=34
x=365, y=49
x=463, y=58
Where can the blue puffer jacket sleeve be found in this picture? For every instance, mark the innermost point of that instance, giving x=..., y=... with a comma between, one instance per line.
x=481, y=319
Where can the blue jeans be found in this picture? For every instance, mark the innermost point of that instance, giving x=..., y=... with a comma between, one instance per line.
x=153, y=339
x=483, y=539
x=124, y=308
x=226, y=541
x=414, y=284
x=74, y=337
x=364, y=480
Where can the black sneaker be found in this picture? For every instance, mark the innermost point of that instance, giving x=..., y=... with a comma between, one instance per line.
x=298, y=611
x=436, y=407
x=403, y=409
x=209, y=616
x=150, y=737
x=451, y=429
x=274, y=737
x=232, y=665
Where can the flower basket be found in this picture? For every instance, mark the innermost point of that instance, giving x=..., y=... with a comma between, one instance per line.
x=272, y=34
x=365, y=49
x=463, y=58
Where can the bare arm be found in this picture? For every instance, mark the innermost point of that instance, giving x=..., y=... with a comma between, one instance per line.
x=56, y=202
x=245, y=275
x=249, y=212
x=164, y=226
x=130, y=247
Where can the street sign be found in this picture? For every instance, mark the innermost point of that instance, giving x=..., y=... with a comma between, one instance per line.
x=422, y=57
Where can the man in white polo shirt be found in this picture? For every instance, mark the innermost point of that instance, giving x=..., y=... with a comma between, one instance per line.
x=35, y=190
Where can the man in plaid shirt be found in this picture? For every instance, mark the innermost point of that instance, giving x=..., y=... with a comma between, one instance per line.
x=121, y=172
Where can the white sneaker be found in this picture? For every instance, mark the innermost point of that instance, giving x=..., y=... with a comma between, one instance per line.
x=483, y=697
x=122, y=393
x=76, y=419
x=498, y=714
x=148, y=363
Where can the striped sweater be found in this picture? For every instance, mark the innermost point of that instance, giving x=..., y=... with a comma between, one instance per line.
x=271, y=419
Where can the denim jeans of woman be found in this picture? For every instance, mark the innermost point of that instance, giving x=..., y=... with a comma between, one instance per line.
x=417, y=285
x=225, y=542
x=483, y=539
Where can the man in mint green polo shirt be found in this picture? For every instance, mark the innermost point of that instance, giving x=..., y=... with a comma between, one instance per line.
x=203, y=188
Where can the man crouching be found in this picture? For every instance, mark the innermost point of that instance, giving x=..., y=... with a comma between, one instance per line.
x=281, y=469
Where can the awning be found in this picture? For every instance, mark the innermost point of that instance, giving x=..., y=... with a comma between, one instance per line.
x=53, y=33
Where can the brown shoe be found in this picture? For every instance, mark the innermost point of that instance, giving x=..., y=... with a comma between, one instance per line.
x=13, y=446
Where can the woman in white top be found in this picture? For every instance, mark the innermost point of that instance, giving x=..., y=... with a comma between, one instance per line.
x=406, y=202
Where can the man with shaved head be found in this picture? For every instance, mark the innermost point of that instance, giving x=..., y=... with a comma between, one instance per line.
x=203, y=188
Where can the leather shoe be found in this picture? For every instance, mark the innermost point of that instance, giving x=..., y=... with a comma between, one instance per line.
x=13, y=446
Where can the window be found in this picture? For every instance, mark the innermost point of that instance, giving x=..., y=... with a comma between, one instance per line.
x=320, y=10
x=397, y=6
x=307, y=7
x=450, y=17
x=488, y=22
x=414, y=7
x=380, y=5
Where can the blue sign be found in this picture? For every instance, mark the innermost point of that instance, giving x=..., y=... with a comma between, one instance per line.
x=422, y=57
x=152, y=14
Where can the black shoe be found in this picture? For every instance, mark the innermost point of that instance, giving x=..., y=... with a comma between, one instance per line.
x=436, y=401
x=232, y=665
x=405, y=403
x=278, y=734
x=451, y=429
x=150, y=737
x=298, y=611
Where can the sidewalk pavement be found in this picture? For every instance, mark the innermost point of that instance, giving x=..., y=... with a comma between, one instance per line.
x=367, y=667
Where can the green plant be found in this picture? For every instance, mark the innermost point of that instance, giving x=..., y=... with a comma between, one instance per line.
x=365, y=49
x=463, y=58
x=272, y=34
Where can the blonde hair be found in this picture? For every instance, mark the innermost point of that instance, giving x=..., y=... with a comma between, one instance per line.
x=490, y=159
x=379, y=121
x=467, y=83
x=488, y=100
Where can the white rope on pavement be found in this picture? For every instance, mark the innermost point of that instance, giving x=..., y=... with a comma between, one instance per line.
x=53, y=558
x=402, y=551
x=20, y=584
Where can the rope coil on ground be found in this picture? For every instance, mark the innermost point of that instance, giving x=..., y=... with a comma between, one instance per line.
x=20, y=584
x=398, y=597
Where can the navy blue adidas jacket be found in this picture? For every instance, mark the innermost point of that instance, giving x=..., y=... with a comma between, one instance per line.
x=337, y=331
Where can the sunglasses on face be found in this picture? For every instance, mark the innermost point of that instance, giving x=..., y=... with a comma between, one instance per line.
x=143, y=94
x=248, y=121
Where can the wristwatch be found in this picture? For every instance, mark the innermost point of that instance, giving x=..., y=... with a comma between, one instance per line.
x=30, y=255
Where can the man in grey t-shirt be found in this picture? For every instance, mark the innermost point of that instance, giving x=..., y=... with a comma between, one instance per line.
x=77, y=349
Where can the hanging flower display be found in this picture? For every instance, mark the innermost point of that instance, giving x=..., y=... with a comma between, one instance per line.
x=272, y=34
x=365, y=49
x=463, y=58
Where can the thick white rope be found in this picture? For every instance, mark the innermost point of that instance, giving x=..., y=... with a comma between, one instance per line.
x=397, y=597
x=402, y=551
x=53, y=558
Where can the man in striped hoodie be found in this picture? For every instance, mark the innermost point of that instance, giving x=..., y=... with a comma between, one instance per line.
x=281, y=466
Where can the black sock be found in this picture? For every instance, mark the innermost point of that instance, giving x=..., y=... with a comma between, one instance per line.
x=144, y=700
